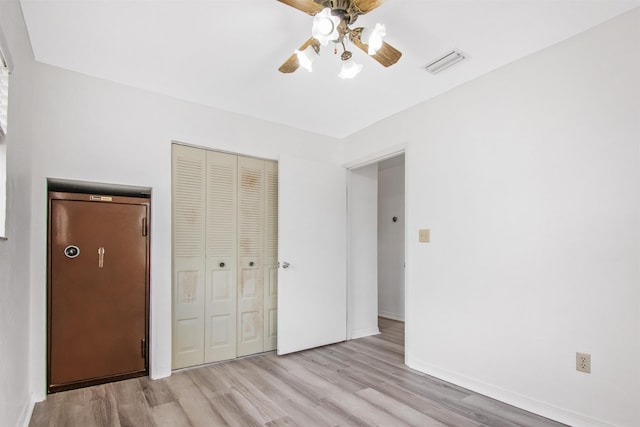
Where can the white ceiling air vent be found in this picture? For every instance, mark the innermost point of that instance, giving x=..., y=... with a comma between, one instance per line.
x=445, y=61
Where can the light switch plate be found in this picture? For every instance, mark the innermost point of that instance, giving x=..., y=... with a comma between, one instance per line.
x=424, y=235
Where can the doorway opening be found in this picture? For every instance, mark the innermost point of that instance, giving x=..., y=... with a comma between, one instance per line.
x=391, y=238
x=376, y=217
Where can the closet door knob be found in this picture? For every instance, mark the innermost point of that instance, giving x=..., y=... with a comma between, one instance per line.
x=221, y=264
x=251, y=264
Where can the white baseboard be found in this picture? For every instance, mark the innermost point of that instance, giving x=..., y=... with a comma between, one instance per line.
x=515, y=399
x=392, y=316
x=27, y=411
x=158, y=375
x=364, y=333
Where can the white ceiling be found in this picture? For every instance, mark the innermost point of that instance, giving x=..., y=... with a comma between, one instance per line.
x=226, y=54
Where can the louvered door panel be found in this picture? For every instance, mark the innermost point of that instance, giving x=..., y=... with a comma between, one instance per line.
x=250, y=251
x=188, y=192
x=221, y=249
x=271, y=256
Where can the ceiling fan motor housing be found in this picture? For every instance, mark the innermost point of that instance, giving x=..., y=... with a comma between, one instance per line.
x=345, y=9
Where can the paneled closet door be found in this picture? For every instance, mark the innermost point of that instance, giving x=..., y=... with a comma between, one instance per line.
x=271, y=257
x=188, y=192
x=221, y=264
x=251, y=241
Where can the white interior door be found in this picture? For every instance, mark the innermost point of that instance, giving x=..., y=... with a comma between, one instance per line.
x=250, y=260
x=221, y=265
x=271, y=256
x=312, y=240
x=188, y=189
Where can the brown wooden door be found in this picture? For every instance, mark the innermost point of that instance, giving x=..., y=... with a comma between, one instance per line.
x=98, y=289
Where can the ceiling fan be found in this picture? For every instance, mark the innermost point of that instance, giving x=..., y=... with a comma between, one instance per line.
x=331, y=22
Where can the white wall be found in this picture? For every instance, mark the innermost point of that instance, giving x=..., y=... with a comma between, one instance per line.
x=3, y=186
x=15, y=399
x=94, y=130
x=362, y=217
x=529, y=179
x=391, y=238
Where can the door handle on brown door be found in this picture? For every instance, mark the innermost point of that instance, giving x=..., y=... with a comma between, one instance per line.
x=100, y=257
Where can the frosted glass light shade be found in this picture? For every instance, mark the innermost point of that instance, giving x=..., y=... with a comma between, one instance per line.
x=350, y=69
x=325, y=27
x=306, y=58
x=373, y=37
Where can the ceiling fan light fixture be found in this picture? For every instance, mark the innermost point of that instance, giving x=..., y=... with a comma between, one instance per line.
x=325, y=27
x=306, y=57
x=332, y=20
x=373, y=37
x=350, y=69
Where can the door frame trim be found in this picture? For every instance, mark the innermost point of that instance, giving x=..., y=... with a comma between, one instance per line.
x=377, y=156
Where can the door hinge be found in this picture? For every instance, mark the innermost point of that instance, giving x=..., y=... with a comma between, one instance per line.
x=143, y=348
x=145, y=228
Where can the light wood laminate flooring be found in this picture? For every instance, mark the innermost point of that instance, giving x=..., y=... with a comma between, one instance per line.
x=362, y=382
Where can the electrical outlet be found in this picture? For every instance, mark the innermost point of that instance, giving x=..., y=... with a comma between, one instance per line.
x=583, y=362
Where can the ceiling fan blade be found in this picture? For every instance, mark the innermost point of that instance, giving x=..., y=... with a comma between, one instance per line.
x=365, y=6
x=307, y=6
x=387, y=55
x=292, y=64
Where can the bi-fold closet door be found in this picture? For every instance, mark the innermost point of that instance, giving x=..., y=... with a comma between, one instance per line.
x=224, y=256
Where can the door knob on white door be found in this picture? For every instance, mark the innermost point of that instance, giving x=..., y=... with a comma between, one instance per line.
x=285, y=264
